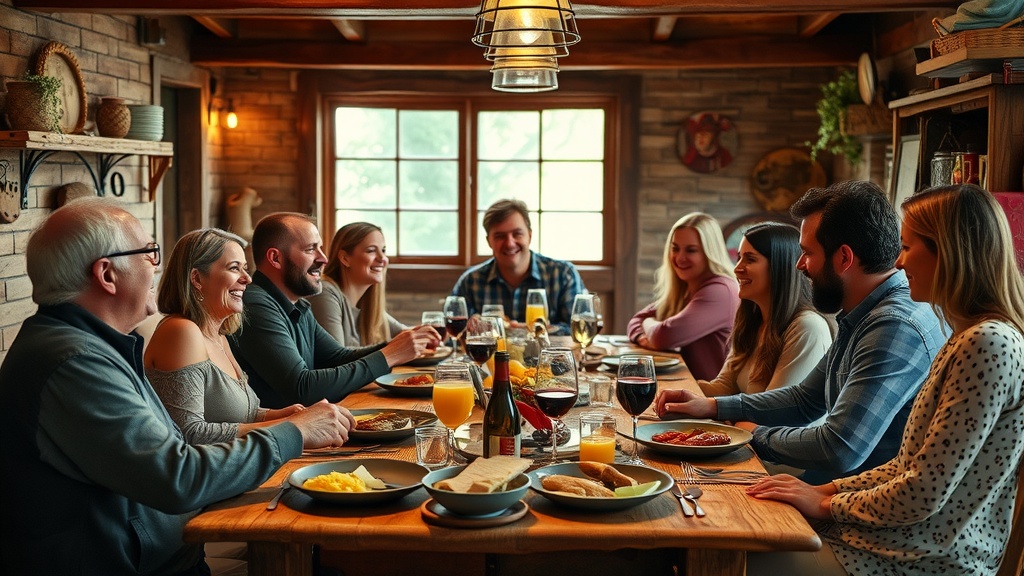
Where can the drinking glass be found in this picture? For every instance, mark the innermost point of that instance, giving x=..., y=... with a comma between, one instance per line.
x=584, y=320
x=599, y=313
x=456, y=317
x=635, y=387
x=556, y=389
x=482, y=338
x=453, y=399
x=536, y=307
x=435, y=319
x=497, y=311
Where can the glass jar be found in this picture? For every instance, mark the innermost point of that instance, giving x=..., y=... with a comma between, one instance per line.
x=942, y=168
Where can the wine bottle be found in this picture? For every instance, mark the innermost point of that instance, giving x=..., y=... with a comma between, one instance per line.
x=501, y=420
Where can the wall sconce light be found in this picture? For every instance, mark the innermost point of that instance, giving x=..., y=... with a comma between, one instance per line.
x=217, y=112
x=523, y=38
x=231, y=120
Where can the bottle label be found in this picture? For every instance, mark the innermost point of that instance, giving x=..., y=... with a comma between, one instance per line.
x=504, y=446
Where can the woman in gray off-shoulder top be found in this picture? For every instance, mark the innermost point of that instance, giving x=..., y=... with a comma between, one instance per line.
x=187, y=359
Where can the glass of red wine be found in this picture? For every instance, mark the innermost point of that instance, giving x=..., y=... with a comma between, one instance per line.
x=435, y=319
x=635, y=388
x=456, y=318
x=482, y=338
x=556, y=390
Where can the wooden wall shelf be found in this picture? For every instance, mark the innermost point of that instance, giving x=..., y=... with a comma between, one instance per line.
x=35, y=147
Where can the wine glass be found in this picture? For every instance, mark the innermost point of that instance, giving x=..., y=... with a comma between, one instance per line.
x=453, y=399
x=635, y=387
x=556, y=389
x=599, y=313
x=456, y=317
x=583, y=322
x=482, y=338
x=497, y=311
x=435, y=319
x=536, y=307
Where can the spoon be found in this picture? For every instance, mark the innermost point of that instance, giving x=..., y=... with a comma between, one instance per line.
x=692, y=494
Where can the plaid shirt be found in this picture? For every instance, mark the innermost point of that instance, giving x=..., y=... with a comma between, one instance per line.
x=864, y=387
x=482, y=284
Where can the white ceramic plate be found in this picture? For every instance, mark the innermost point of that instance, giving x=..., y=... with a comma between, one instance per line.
x=641, y=474
x=739, y=436
x=388, y=382
x=439, y=355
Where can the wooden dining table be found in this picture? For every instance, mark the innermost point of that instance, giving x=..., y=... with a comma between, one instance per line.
x=395, y=538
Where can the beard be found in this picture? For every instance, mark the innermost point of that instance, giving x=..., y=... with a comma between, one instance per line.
x=298, y=281
x=827, y=290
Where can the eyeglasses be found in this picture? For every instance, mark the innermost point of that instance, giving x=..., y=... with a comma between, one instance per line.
x=152, y=252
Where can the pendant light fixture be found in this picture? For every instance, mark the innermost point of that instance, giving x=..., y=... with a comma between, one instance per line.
x=523, y=38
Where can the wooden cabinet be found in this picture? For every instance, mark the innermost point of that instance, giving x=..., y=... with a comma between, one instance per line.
x=984, y=114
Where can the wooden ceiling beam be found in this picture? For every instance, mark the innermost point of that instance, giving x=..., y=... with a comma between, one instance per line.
x=221, y=27
x=811, y=25
x=663, y=27
x=747, y=52
x=352, y=30
x=446, y=9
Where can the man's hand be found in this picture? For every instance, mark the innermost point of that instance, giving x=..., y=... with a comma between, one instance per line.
x=323, y=424
x=672, y=404
x=410, y=344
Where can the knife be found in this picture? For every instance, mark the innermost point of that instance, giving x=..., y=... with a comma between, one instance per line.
x=687, y=511
x=341, y=451
x=272, y=505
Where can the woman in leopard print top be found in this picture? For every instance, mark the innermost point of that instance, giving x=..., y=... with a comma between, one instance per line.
x=944, y=504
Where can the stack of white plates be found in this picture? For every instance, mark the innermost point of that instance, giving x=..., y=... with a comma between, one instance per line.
x=147, y=123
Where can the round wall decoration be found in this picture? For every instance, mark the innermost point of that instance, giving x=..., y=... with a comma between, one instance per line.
x=782, y=176
x=706, y=142
x=56, y=59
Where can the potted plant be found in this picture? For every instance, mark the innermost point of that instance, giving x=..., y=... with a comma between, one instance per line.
x=33, y=103
x=836, y=96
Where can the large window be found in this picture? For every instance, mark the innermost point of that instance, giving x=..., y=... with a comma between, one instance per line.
x=426, y=169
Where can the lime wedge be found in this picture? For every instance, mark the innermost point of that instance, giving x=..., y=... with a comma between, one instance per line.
x=638, y=490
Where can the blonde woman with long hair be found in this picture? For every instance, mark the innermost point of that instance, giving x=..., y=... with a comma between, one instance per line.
x=352, y=306
x=944, y=504
x=696, y=297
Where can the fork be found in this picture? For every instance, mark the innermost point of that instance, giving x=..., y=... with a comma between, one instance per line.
x=694, y=475
x=717, y=472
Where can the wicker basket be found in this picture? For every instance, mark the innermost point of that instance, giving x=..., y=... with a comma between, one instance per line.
x=1009, y=35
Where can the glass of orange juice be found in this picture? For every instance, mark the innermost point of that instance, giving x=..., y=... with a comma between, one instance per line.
x=597, y=437
x=536, y=307
x=453, y=399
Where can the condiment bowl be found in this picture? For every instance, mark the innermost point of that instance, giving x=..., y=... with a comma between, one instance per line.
x=476, y=504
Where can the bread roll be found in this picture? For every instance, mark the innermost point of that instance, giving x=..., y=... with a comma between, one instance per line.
x=575, y=486
x=607, y=474
x=485, y=474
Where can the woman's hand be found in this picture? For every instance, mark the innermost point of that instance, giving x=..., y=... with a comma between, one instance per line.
x=323, y=424
x=410, y=344
x=811, y=501
x=683, y=403
x=275, y=414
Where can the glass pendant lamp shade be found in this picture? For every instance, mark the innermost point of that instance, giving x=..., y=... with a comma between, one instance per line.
x=548, y=27
x=524, y=74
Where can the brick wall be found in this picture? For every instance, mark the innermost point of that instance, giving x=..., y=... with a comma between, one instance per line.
x=112, y=64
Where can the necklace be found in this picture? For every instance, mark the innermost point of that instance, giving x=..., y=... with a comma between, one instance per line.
x=217, y=342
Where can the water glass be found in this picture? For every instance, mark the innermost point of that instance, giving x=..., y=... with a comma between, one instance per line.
x=432, y=447
x=602, y=391
x=597, y=437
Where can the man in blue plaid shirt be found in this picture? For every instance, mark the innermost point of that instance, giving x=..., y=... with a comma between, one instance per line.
x=865, y=385
x=514, y=269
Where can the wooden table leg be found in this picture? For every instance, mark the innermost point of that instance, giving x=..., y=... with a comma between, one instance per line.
x=708, y=562
x=280, y=559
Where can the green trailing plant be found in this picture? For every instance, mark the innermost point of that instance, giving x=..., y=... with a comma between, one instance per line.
x=836, y=96
x=49, y=92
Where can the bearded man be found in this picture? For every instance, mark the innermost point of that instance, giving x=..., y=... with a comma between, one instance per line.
x=288, y=357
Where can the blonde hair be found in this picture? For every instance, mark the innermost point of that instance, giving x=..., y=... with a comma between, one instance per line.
x=196, y=250
x=672, y=294
x=373, y=325
x=976, y=275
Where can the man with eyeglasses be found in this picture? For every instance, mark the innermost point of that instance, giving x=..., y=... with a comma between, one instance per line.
x=101, y=480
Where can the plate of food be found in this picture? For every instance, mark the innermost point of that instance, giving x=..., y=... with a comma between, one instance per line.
x=599, y=487
x=382, y=424
x=408, y=383
x=692, y=438
x=439, y=354
x=358, y=482
x=661, y=363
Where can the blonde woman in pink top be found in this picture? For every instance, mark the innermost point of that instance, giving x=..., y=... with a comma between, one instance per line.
x=696, y=297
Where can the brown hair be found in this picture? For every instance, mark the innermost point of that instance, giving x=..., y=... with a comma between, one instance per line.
x=373, y=325
x=196, y=250
x=502, y=209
